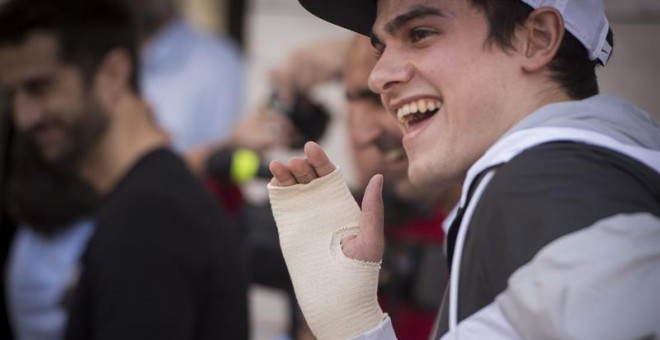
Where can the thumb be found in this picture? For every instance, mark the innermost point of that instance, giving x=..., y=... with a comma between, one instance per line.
x=371, y=220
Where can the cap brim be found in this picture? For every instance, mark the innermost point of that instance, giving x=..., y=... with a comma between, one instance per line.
x=355, y=15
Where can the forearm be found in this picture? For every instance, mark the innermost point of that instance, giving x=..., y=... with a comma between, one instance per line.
x=337, y=294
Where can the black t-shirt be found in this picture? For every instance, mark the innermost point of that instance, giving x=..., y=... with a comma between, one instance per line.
x=542, y=194
x=164, y=263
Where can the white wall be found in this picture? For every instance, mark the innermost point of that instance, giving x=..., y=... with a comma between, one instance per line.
x=634, y=69
x=274, y=29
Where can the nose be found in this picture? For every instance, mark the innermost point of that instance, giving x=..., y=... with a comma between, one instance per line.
x=27, y=111
x=390, y=71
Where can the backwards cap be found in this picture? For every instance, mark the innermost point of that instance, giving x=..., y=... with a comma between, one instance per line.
x=584, y=19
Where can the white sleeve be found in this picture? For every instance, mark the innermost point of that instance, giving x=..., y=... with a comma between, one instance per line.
x=488, y=323
x=383, y=331
x=598, y=283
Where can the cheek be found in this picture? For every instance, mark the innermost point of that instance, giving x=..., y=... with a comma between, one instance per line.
x=69, y=109
x=367, y=160
x=21, y=121
x=68, y=100
x=455, y=65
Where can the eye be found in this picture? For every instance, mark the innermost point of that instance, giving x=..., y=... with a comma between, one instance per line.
x=378, y=46
x=418, y=34
x=378, y=54
x=39, y=86
x=378, y=51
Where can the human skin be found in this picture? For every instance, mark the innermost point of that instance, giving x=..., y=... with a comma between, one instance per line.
x=439, y=52
x=374, y=133
x=97, y=123
x=50, y=103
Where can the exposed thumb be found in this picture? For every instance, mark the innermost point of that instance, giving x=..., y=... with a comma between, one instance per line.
x=371, y=221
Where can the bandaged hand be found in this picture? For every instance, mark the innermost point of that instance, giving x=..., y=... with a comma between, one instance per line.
x=332, y=249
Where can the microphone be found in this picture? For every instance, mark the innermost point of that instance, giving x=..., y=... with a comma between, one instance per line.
x=237, y=166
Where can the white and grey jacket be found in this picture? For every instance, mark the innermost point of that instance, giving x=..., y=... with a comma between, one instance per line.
x=557, y=235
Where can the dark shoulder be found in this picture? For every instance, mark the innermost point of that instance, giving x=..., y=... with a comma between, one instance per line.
x=544, y=193
x=159, y=180
x=561, y=173
x=159, y=199
x=161, y=173
x=557, y=188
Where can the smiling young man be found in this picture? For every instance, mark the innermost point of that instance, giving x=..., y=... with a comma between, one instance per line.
x=164, y=261
x=502, y=97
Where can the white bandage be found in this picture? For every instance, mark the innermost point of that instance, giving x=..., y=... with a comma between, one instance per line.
x=336, y=294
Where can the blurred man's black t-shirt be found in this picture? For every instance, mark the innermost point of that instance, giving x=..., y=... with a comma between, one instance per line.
x=165, y=262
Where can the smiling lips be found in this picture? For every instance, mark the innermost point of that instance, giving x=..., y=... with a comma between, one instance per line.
x=417, y=111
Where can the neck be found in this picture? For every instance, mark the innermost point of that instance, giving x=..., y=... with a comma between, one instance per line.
x=131, y=134
x=534, y=97
x=449, y=198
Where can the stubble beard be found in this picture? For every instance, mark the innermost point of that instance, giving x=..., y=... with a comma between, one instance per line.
x=82, y=136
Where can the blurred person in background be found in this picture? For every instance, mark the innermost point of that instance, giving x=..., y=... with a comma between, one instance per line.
x=194, y=80
x=164, y=261
x=53, y=209
x=413, y=272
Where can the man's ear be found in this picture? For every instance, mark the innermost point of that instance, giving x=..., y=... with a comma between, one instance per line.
x=540, y=38
x=113, y=76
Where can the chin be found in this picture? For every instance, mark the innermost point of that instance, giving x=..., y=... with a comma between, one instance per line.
x=432, y=175
x=59, y=156
x=51, y=155
x=419, y=176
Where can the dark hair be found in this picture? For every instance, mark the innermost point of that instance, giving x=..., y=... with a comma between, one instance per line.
x=6, y=135
x=86, y=29
x=571, y=66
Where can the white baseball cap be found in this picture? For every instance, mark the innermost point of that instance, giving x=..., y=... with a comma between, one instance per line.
x=584, y=19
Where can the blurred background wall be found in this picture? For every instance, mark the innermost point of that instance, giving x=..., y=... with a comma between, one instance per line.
x=634, y=70
x=269, y=29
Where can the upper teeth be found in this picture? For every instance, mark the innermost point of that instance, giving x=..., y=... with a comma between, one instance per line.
x=421, y=106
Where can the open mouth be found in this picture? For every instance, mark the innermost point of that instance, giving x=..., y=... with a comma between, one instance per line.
x=417, y=111
x=391, y=148
x=395, y=155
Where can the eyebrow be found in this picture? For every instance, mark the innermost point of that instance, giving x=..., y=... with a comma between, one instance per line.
x=416, y=12
x=419, y=11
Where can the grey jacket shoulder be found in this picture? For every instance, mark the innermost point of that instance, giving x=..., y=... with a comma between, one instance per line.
x=610, y=116
x=544, y=193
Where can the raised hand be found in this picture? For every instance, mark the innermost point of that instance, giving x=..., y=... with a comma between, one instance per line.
x=369, y=244
x=302, y=171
